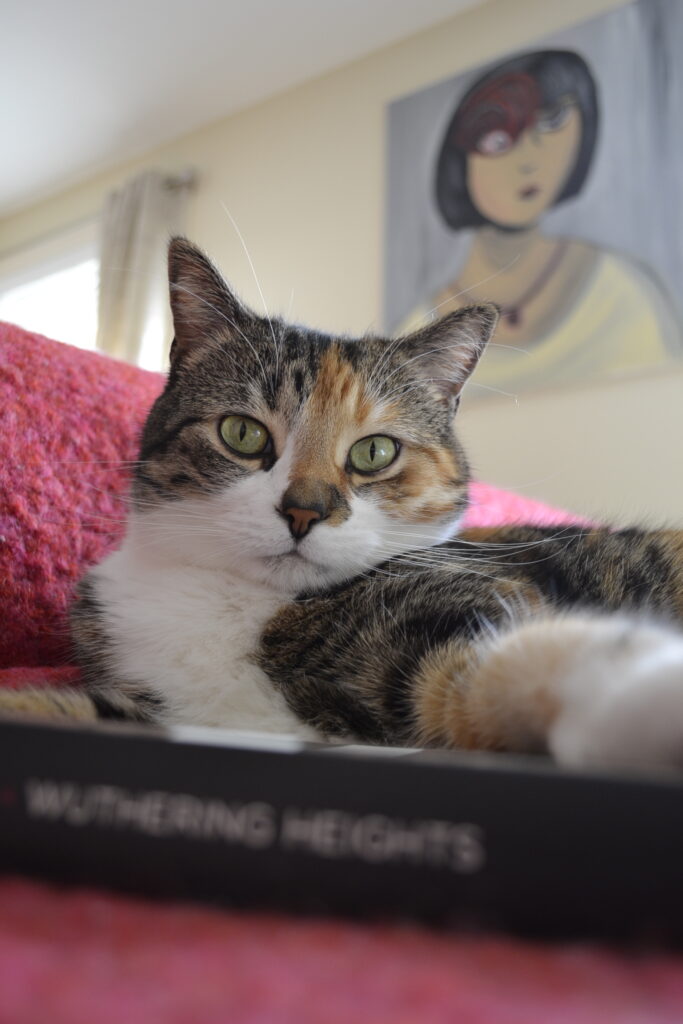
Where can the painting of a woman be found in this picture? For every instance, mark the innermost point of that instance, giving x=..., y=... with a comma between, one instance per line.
x=519, y=142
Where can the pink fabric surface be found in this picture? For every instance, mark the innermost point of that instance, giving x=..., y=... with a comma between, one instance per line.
x=69, y=424
x=69, y=420
x=80, y=957
x=491, y=506
x=39, y=675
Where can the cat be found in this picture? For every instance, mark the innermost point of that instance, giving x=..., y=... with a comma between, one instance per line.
x=293, y=561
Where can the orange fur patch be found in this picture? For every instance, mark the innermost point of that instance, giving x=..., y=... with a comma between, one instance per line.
x=427, y=486
x=338, y=388
x=493, y=694
x=441, y=686
x=337, y=404
x=429, y=480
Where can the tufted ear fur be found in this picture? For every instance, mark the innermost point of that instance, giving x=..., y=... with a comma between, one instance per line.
x=446, y=352
x=202, y=304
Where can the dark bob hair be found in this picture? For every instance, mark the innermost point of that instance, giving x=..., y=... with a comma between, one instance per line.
x=507, y=97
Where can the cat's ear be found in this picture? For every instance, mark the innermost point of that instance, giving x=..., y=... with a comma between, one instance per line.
x=201, y=302
x=445, y=353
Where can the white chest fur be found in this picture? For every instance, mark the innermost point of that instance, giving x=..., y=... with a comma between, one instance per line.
x=188, y=634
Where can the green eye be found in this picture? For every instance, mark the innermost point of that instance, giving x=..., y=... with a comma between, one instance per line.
x=373, y=453
x=245, y=436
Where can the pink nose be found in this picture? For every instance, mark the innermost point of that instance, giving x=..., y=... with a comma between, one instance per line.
x=300, y=520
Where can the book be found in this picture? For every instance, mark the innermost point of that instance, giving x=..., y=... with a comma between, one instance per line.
x=469, y=839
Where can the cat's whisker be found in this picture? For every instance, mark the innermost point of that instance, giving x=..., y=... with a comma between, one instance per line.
x=569, y=528
x=429, y=315
x=258, y=285
x=509, y=348
x=382, y=362
x=451, y=346
x=117, y=525
x=106, y=492
x=405, y=389
x=457, y=563
x=447, y=556
x=228, y=320
x=368, y=574
x=448, y=551
x=98, y=462
x=114, y=520
x=457, y=570
x=498, y=391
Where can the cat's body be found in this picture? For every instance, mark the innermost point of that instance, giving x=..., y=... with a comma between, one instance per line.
x=468, y=650
x=289, y=563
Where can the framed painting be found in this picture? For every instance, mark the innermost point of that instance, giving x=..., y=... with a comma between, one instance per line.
x=548, y=182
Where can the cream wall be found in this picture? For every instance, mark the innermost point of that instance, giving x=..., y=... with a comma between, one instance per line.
x=303, y=176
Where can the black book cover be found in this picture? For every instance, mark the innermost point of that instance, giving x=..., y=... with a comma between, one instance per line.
x=469, y=839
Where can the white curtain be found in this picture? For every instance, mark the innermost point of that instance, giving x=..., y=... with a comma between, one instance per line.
x=139, y=218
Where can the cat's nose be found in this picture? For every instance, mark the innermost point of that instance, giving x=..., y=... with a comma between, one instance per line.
x=300, y=520
x=306, y=502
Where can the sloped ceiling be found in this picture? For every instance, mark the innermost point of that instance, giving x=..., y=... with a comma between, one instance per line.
x=86, y=84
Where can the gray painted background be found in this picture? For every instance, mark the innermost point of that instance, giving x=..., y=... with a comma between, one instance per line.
x=631, y=200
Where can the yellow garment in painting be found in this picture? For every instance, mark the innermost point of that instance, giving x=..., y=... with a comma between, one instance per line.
x=622, y=321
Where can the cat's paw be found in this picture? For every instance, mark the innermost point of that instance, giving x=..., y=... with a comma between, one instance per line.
x=51, y=702
x=620, y=694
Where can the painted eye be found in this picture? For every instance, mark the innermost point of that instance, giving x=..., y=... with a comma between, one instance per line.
x=371, y=454
x=243, y=435
x=553, y=120
x=494, y=143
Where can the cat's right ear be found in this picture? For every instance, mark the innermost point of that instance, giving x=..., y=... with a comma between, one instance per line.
x=203, y=306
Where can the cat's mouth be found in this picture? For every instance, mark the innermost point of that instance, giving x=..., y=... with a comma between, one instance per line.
x=291, y=569
x=294, y=557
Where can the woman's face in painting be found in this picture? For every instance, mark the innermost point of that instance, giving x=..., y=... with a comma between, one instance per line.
x=512, y=181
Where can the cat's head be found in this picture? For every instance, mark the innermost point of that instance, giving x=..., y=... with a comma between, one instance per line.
x=294, y=458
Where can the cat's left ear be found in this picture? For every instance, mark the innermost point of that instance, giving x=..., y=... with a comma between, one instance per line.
x=202, y=304
x=445, y=353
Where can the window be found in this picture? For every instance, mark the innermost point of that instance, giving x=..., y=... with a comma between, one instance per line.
x=51, y=286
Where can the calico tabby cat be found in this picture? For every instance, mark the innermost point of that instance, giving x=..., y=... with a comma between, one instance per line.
x=289, y=563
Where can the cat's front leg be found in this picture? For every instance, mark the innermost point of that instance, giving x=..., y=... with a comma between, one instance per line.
x=590, y=689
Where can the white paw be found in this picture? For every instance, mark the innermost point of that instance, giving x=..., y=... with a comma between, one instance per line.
x=621, y=695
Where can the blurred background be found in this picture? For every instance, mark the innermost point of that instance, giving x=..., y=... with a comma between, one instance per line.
x=262, y=132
